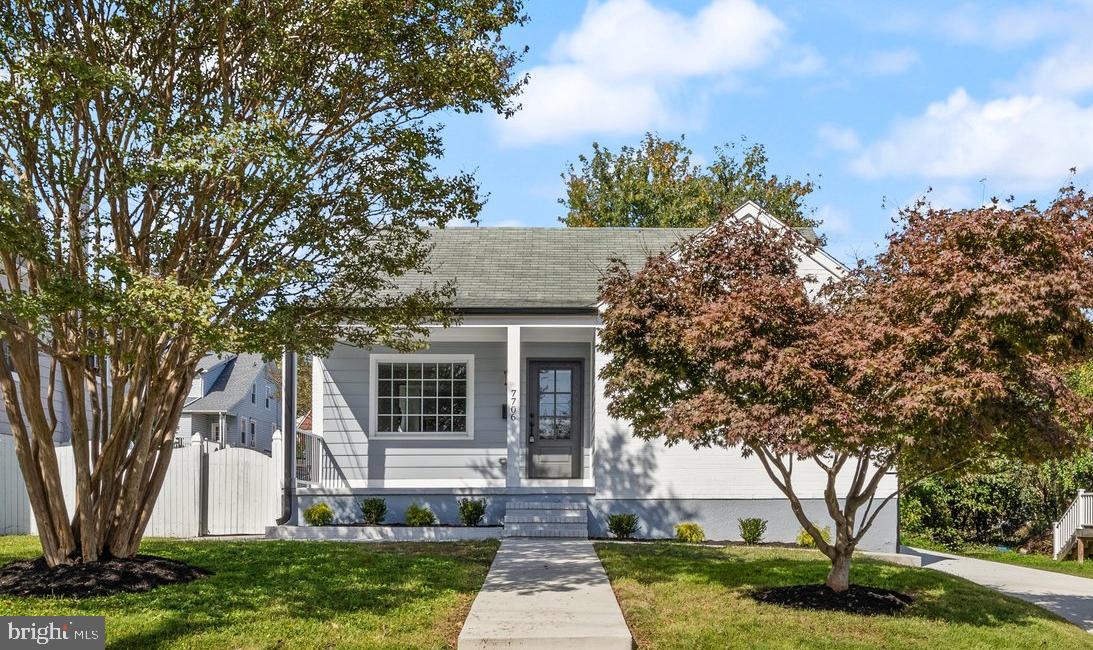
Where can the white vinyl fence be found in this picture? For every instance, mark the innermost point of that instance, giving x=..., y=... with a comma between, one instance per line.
x=207, y=491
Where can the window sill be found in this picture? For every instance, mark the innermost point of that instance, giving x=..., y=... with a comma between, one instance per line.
x=400, y=435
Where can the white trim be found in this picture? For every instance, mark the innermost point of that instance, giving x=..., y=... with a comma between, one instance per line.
x=373, y=396
x=384, y=533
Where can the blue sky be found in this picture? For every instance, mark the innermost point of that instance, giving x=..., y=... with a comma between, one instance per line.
x=879, y=100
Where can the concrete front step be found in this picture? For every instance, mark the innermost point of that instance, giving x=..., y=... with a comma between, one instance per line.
x=546, y=516
x=545, y=530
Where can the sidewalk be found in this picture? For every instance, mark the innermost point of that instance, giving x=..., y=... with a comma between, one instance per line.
x=1065, y=595
x=546, y=593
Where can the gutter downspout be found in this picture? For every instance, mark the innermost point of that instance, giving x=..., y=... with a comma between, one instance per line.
x=288, y=427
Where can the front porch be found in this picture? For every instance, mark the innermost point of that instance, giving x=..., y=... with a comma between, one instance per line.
x=499, y=406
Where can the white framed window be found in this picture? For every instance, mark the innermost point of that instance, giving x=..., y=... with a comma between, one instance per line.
x=242, y=431
x=216, y=432
x=421, y=396
x=254, y=393
x=269, y=397
x=252, y=436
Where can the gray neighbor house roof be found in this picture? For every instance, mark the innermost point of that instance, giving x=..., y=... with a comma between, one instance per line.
x=537, y=269
x=233, y=385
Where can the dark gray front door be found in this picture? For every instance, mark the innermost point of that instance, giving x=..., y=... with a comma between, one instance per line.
x=554, y=419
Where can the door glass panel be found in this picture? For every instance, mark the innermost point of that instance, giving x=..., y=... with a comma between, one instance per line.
x=563, y=405
x=546, y=381
x=562, y=380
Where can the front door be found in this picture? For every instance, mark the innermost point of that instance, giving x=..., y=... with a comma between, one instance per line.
x=554, y=419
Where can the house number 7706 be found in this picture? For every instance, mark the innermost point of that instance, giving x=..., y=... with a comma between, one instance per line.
x=512, y=408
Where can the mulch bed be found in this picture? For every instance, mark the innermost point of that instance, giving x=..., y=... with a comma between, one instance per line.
x=869, y=601
x=137, y=574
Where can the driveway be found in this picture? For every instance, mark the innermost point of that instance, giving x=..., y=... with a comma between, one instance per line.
x=1068, y=596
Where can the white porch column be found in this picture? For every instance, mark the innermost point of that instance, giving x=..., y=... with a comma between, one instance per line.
x=600, y=418
x=513, y=394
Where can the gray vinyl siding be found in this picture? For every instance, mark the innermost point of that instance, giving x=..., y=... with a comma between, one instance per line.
x=185, y=427
x=361, y=459
x=63, y=432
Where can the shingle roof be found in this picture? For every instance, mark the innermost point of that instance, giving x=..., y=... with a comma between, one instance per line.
x=232, y=386
x=536, y=268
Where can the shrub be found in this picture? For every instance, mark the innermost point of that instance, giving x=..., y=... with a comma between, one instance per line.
x=688, y=532
x=752, y=529
x=472, y=511
x=804, y=538
x=375, y=510
x=417, y=515
x=319, y=514
x=622, y=525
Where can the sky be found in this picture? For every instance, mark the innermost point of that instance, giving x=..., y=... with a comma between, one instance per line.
x=880, y=103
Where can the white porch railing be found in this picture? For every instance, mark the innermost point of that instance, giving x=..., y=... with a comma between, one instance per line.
x=315, y=465
x=1078, y=516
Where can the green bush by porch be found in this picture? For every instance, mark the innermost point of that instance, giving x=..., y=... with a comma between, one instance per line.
x=287, y=594
x=677, y=596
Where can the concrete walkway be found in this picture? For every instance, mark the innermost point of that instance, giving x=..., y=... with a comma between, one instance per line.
x=1067, y=596
x=546, y=593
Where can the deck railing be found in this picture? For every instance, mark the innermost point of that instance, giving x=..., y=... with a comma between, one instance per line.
x=1079, y=515
x=315, y=465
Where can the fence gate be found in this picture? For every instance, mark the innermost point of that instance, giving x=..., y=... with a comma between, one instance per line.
x=241, y=495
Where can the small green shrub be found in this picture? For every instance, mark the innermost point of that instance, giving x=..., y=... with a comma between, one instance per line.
x=375, y=510
x=417, y=515
x=319, y=514
x=752, y=529
x=688, y=532
x=622, y=525
x=472, y=511
x=804, y=538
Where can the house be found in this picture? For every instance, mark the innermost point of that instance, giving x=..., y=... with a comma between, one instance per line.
x=234, y=401
x=508, y=404
x=62, y=434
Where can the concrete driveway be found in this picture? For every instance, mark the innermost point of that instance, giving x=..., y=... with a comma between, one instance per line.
x=1068, y=596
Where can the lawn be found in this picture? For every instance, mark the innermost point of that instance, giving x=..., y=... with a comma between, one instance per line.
x=287, y=594
x=676, y=596
x=1031, y=560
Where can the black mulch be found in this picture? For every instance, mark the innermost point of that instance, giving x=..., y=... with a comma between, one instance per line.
x=858, y=599
x=137, y=574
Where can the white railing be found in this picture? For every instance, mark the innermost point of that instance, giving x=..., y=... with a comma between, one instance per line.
x=315, y=465
x=1079, y=515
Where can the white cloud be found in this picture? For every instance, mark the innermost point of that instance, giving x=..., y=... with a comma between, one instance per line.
x=1065, y=72
x=890, y=62
x=838, y=138
x=993, y=24
x=1022, y=142
x=621, y=69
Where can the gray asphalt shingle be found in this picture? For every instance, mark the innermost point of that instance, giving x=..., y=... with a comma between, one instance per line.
x=536, y=268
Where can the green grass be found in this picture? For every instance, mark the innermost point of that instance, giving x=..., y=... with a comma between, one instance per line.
x=677, y=596
x=287, y=595
x=1031, y=560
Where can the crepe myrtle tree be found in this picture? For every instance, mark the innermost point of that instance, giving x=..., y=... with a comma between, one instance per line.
x=951, y=347
x=179, y=177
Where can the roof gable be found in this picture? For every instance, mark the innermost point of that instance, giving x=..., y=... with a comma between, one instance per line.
x=543, y=269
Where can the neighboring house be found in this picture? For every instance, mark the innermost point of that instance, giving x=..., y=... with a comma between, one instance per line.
x=234, y=401
x=508, y=405
x=62, y=435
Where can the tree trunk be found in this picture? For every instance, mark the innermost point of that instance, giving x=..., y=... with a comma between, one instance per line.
x=838, y=578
